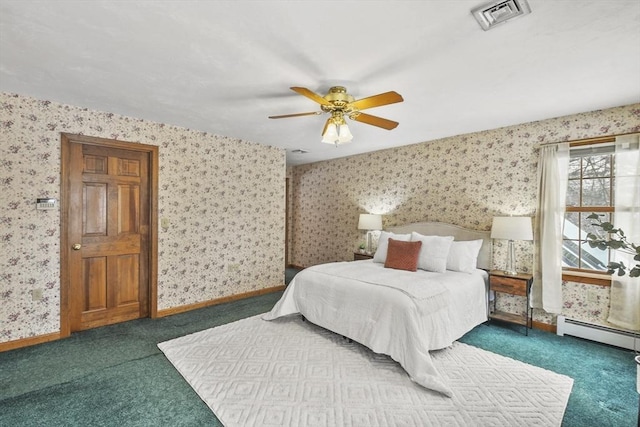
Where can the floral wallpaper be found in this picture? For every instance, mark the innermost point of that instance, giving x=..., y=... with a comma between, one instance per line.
x=224, y=199
x=465, y=180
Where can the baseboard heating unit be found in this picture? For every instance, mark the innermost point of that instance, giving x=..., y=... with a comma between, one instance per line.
x=598, y=333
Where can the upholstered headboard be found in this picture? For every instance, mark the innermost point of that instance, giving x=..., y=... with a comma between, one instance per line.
x=458, y=233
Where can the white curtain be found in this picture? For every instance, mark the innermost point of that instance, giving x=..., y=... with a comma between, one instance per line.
x=625, y=291
x=553, y=169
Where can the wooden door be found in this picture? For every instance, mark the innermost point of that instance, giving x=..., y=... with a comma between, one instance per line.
x=108, y=233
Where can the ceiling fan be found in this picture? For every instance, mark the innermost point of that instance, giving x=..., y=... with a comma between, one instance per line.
x=340, y=104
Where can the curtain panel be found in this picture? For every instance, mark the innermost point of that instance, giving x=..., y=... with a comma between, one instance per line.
x=553, y=169
x=624, y=310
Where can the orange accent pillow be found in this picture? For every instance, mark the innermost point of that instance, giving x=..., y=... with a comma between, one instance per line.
x=402, y=255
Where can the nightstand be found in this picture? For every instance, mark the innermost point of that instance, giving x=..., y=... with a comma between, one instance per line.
x=520, y=284
x=357, y=256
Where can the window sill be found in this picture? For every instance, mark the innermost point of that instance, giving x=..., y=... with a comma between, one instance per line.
x=588, y=278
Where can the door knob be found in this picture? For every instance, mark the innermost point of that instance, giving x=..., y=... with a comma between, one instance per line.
x=76, y=246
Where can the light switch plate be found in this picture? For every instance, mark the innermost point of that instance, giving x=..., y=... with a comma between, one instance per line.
x=36, y=294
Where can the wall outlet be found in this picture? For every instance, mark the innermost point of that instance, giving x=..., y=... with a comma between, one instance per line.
x=36, y=294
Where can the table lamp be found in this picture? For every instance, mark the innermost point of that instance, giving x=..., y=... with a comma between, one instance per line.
x=370, y=222
x=511, y=228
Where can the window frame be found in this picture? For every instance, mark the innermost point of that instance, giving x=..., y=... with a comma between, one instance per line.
x=599, y=277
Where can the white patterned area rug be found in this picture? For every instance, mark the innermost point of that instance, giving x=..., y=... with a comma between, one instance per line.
x=287, y=372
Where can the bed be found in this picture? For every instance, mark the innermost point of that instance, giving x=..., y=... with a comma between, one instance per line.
x=403, y=314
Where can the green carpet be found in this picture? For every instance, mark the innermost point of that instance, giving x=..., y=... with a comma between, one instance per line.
x=604, y=388
x=116, y=375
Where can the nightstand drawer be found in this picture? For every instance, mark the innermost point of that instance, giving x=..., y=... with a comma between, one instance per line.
x=509, y=285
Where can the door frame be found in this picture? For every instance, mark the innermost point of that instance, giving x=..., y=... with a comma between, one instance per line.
x=65, y=247
x=287, y=233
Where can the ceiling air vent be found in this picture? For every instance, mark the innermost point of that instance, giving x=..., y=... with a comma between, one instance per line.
x=491, y=14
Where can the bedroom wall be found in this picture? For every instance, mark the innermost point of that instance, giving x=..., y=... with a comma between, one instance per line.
x=464, y=180
x=224, y=197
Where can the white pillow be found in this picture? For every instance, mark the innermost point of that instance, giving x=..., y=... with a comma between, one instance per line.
x=383, y=244
x=463, y=256
x=434, y=252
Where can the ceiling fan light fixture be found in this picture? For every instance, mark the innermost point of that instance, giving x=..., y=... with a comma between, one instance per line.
x=331, y=134
x=337, y=134
x=344, y=134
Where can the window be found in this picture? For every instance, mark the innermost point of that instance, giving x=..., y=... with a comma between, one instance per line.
x=590, y=189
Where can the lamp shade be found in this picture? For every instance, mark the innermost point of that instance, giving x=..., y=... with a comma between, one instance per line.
x=344, y=134
x=512, y=228
x=370, y=222
x=331, y=134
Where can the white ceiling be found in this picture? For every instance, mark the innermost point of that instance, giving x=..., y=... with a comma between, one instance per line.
x=225, y=66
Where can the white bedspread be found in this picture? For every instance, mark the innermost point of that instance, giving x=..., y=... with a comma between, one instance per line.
x=399, y=313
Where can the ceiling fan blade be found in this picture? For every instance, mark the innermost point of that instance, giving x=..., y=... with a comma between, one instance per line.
x=311, y=95
x=377, y=100
x=374, y=121
x=315, y=113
